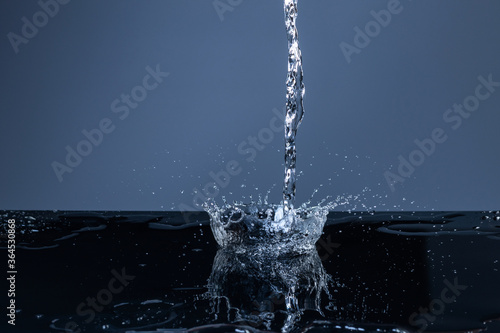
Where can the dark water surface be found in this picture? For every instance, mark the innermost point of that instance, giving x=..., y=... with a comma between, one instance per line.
x=153, y=272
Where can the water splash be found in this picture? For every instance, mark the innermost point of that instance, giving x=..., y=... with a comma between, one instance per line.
x=260, y=228
x=294, y=103
x=263, y=229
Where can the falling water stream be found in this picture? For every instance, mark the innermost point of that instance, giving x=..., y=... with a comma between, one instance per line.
x=269, y=227
x=294, y=103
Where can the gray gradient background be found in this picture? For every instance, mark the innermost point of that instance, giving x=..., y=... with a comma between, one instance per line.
x=225, y=79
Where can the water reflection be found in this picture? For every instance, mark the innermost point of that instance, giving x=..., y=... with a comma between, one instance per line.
x=363, y=279
x=266, y=291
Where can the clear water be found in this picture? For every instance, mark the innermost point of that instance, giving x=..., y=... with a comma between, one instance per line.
x=294, y=103
x=276, y=268
x=266, y=228
x=260, y=228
